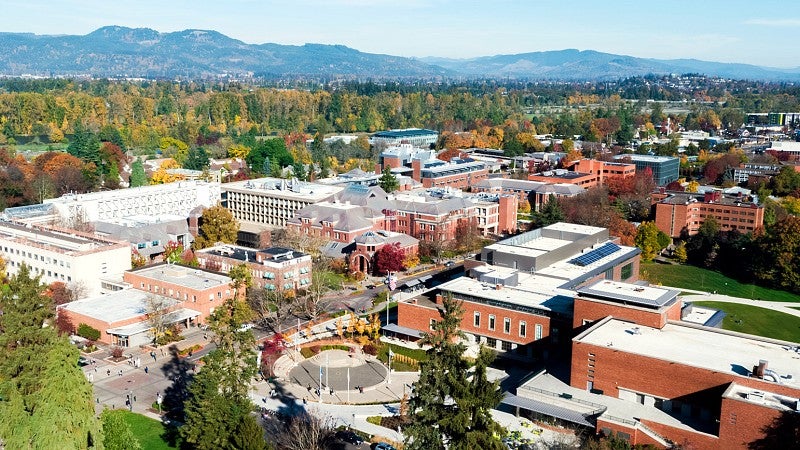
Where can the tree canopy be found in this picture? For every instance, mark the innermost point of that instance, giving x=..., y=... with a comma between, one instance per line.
x=217, y=224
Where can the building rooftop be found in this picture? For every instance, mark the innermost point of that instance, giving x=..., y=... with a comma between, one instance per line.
x=189, y=277
x=633, y=294
x=697, y=346
x=116, y=306
x=404, y=133
x=66, y=241
x=647, y=158
x=521, y=295
x=289, y=189
x=245, y=254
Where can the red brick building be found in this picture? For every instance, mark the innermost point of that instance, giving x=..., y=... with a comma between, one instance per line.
x=188, y=296
x=562, y=176
x=681, y=214
x=362, y=258
x=274, y=268
x=603, y=170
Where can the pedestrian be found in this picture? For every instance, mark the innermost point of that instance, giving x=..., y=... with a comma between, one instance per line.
x=108, y=372
x=120, y=372
x=146, y=370
x=91, y=378
x=134, y=397
x=205, y=336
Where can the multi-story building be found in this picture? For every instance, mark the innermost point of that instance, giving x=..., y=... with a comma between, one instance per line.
x=640, y=374
x=178, y=198
x=77, y=259
x=535, y=193
x=415, y=136
x=362, y=257
x=665, y=169
x=681, y=213
x=603, y=170
x=148, y=235
x=199, y=289
x=563, y=176
x=273, y=268
x=268, y=203
x=520, y=302
x=457, y=173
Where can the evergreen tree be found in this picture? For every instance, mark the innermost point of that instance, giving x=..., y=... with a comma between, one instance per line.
x=46, y=400
x=138, y=176
x=218, y=404
x=249, y=435
x=117, y=433
x=197, y=159
x=388, y=182
x=549, y=213
x=299, y=171
x=449, y=411
x=85, y=145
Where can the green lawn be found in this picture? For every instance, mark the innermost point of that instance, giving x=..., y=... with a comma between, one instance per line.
x=690, y=277
x=759, y=321
x=149, y=431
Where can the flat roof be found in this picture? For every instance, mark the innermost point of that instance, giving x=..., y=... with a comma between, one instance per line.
x=515, y=295
x=189, y=277
x=698, y=346
x=277, y=187
x=646, y=158
x=575, y=228
x=615, y=291
x=56, y=240
x=115, y=306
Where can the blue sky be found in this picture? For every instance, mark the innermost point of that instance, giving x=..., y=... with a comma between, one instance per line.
x=763, y=32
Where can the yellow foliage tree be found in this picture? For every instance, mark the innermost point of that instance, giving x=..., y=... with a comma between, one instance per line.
x=238, y=151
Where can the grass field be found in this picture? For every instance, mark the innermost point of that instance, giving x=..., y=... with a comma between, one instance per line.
x=759, y=321
x=690, y=277
x=148, y=431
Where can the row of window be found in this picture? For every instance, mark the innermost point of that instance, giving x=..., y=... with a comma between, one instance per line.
x=43, y=272
x=177, y=294
x=522, y=329
x=37, y=257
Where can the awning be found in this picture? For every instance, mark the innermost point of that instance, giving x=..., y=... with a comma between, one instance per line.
x=143, y=326
x=547, y=409
x=409, y=284
x=394, y=328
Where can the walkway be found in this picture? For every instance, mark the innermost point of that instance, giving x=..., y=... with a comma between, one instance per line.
x=702, y=296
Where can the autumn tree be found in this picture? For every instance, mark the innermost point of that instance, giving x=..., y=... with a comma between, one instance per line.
x=217, y=224
x=647, y=239
x=389, y=258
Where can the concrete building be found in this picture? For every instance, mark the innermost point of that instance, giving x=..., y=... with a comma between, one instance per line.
x=178, y=198
x=415, y=136
x=273, y=268
x=148, y=235
x=682, y=213
x=268, y=203
x=79, y=260
x=665, y=169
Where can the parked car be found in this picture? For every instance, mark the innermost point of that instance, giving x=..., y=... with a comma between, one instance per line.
x=349, y=437
x=83, y=361
x=382, y=446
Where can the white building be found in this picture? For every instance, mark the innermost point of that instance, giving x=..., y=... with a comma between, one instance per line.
x=172, y=198
x=73, y=258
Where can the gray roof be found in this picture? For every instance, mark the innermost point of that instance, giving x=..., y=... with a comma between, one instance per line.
x=342, y=217
x=145, y=232
x=435, y=207
x=386, y=237
x=115, y=306
x=373, y=197
x=548, y=409
x=508, y=183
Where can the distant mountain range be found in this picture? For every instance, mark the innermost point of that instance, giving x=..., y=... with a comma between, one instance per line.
x=115, y=51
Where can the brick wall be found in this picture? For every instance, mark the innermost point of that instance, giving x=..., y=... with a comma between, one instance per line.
x=593, y=310
x=742, y=422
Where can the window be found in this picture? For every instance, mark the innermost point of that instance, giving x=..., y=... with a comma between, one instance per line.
x=491, y=321
x=537, y=332
x=626, y=272
x=491, y=342
x=506, y=346
x=640, y=399
x=432, y=323
x=506, y=325
x=477, y=319
x=523, y=329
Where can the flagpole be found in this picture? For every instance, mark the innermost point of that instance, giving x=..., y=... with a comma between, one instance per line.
x=320, y=385
x=348, y=385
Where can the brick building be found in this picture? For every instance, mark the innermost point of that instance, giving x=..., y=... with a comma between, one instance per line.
x=640, y=374
x=563, y=176
x=535, y=193
x=273, y=268
x=188, y=296
x=682, y=213
x=362, y=256
x=603, y=170
x=520, y=302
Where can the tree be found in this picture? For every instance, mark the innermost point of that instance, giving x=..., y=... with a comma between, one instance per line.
x=117, y=434
x=323, y=280
x=217, y=224
x=47, y=401
x=779, y=254
x=389, y=258
x=447, y=409
x=301, y=432
x=197, y=159
x=159, y=317
x=648, y=241
x=138, y=176
x=782, y=432
x=249, y=435
x=218, y=404
x=271, y=306
x=549, y=213
x=387, y=181
x=680, y=252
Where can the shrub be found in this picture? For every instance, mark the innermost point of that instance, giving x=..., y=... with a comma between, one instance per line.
x=370, y=349
x=88, y=332
x=315, y=349
x=116, y=351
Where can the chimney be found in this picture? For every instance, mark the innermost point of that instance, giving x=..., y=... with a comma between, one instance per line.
x=416, y=166
x=498, y=286
x=759, y=370
x=439, y=299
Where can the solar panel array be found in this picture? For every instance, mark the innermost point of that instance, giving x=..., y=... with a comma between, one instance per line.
x=596, y=254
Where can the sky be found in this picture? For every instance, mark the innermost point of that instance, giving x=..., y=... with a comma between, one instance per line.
x=763, y=33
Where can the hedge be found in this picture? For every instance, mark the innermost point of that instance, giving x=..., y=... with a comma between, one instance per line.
x=88, y=332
